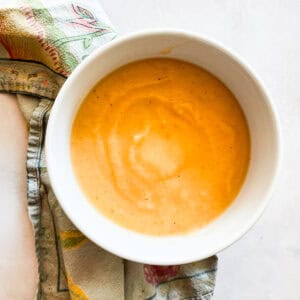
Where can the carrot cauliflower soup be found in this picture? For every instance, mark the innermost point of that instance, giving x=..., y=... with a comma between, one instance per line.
x=160, y=146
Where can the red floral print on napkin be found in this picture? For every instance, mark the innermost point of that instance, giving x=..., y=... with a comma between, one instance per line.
x=157, y=274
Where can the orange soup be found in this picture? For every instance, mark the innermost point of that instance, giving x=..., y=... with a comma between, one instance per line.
x=160, y=146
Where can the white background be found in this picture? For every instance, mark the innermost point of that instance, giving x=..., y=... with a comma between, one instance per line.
x=265, y=264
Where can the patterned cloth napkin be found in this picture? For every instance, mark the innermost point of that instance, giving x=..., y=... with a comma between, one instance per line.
x=41, y=42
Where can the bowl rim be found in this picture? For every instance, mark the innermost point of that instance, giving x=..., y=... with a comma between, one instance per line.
x=211, y=43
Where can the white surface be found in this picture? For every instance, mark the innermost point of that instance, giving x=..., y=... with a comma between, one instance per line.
x=264, y=149
x=265, y=263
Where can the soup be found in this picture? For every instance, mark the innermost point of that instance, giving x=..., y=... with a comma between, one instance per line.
x=160, y=146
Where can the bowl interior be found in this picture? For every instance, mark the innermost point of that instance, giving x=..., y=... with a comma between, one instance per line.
x=246, y=208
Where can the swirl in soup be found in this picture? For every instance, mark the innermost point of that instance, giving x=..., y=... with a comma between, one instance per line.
x=160, y=146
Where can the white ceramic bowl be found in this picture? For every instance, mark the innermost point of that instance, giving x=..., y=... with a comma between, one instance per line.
x=246, y=208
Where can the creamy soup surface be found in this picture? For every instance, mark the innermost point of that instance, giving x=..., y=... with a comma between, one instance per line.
x=160, y=146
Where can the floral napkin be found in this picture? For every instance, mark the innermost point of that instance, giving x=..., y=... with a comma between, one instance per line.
x=41, y=42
